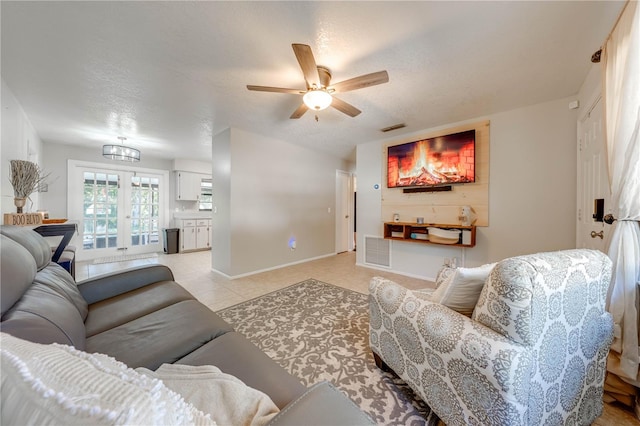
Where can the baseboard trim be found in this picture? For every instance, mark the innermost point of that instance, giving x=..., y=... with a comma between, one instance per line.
x=393, y=271
x=273, y=268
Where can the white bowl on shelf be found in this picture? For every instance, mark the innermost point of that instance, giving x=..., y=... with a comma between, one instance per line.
x=444, y=236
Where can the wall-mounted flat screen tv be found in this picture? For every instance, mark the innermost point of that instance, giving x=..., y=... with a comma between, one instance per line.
x=443, y=160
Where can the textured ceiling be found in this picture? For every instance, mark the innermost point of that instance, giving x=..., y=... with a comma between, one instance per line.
x=169, y=75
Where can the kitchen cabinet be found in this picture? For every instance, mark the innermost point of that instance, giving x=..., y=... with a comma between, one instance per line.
x=188, y=186
x=202, y=234
x=194, y=234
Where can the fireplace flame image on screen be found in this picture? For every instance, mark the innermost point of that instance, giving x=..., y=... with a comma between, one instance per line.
x=429, y=162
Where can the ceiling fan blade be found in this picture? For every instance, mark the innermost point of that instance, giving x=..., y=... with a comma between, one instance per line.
x=300, y=111
x=275, y=89
x=307, y=63
x=361, y=82
x=344, y=107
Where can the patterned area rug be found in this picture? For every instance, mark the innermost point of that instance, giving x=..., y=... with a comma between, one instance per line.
x=318, y=331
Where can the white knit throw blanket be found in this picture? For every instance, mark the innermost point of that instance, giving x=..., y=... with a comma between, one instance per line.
x=57, y=384
x=224, y=397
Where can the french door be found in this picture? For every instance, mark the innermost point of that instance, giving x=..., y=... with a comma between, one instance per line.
x=118, y=211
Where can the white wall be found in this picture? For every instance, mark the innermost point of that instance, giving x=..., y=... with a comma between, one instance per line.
x=591, y=89
x=20, y=141
x=221, y=223
x=277, y=191
x=532, y=199
x=55, y=161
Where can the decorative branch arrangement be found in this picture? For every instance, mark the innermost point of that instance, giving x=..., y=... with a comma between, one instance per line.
x=26, y=178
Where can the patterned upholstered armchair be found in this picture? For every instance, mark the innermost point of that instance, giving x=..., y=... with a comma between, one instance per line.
x=533, y=352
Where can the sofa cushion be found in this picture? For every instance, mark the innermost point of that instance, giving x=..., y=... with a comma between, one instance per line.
x=126, y=307
x=44, y=315
x=236, y=355
x=113, y=284
x=17, y=270
x=32, y=241
x=163, y=336
x=54, y=384
x=323, y=404
x=58, y=279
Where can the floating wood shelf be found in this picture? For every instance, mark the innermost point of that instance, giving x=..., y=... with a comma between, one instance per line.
x=419, y=233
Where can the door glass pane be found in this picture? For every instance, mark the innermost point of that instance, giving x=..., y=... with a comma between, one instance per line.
x=100, y=204
x=145, y=207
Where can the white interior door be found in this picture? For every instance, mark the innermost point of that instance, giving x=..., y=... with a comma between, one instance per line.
x=118, y=211
x=593, y=183
x=344, y=219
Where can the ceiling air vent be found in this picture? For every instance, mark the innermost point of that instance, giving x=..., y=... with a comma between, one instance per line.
x=394, y=127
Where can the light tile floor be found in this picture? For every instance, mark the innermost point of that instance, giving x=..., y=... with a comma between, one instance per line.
x=193, y=271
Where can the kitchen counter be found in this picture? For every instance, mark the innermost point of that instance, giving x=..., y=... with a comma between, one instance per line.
x=192, y=215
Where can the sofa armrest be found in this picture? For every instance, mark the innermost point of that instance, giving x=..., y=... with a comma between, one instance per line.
x=111, y=285
x=322, y=404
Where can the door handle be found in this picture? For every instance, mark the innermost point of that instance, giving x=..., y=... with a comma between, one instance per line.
x=597, y=234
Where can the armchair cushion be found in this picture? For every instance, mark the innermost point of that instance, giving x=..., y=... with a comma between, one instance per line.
x=461, y=289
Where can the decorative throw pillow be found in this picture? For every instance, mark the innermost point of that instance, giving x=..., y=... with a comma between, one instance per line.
x=57, y=384
x=442, y=281
x=444, y=274
x=461, y=289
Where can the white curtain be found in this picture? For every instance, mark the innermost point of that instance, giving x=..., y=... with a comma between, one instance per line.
x=622, y=103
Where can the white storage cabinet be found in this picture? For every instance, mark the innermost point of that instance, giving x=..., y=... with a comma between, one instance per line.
x=188, y=186
x=194, y=234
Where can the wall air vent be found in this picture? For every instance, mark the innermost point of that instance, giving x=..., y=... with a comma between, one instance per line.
x=394, y=127
x=377, y=251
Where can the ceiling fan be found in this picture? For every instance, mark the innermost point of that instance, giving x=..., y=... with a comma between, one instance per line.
x=319, y=92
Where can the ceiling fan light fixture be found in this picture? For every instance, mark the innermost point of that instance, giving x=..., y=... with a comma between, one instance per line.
x=317, y=99
x=121, y=152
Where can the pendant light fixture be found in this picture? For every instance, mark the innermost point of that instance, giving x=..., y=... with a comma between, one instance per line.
x=121, y=152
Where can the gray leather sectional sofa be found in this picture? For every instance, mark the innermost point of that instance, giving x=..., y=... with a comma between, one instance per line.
x=143, y=318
